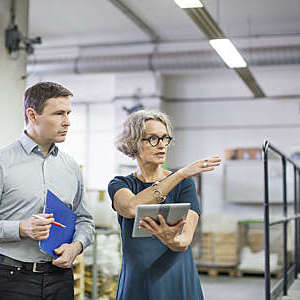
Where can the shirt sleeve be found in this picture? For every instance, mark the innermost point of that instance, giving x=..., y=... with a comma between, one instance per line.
x=9, y=230
x=84, y=230
x=1, y=182
x=119, y=182
x=188, y=194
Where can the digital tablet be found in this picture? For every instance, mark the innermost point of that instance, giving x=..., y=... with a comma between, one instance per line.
x=172, y=213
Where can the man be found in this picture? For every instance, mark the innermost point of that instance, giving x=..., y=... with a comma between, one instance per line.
x=28, y=168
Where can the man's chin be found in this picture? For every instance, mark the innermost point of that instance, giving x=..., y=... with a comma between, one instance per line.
x=60, y=139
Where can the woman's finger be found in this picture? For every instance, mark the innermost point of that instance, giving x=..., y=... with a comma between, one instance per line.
x=179, y=224
x=151, y=222
x=145, y=226
x=162, y=220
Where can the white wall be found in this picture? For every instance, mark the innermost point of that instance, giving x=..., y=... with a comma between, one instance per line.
x=90, y=138
x=207, y=127
x=203, y=127
x=12, y=70
x=97, y=115
x=147, y=87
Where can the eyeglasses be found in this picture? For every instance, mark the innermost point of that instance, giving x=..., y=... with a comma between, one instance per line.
x=154, y=140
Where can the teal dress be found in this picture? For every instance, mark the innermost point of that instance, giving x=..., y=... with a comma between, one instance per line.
x=150, y=270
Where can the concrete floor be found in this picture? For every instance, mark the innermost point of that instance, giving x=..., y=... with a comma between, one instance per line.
x=232, y=288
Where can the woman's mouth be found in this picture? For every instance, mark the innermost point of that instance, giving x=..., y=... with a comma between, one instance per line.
x=160, y=154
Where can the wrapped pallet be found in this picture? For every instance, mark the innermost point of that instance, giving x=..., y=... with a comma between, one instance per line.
x=219, y=242
x=108, y=265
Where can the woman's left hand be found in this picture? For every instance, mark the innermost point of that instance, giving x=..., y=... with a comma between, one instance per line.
x=165, y=233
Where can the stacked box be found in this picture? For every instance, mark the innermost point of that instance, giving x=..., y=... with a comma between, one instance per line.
x=107, y=285
x=226, y=249
x=243, y=153
x=219, y=249
x=256, y=240
x=78, y=273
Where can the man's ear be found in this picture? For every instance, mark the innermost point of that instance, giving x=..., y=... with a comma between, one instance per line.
x=31, y=115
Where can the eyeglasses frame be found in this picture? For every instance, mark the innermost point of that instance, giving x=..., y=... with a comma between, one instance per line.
x=159, y=139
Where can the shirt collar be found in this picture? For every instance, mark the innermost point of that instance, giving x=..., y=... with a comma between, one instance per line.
x=30, y=145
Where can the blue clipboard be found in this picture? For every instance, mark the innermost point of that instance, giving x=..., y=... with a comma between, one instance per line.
x=58, y=235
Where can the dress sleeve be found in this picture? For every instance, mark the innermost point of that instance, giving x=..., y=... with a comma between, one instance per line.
x=188, y=194
x=119, y=182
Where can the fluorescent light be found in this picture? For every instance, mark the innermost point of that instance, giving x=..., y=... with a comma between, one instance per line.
x=188, y=3
x=228, y=53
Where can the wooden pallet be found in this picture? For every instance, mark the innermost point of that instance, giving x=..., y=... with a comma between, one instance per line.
x=78, y=273
x=276, y=273
x=107, y=285
x=216, y=271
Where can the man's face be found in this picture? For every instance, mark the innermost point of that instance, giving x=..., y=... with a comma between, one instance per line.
x=52, y=124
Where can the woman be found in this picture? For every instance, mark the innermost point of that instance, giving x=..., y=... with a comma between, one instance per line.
x=158, y=268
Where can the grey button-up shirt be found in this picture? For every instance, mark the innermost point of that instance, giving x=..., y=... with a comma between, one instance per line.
x=25, y=176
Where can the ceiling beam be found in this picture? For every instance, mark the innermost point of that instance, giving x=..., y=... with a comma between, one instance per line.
x=204, y=21
x=136, y=20
x=250, y=81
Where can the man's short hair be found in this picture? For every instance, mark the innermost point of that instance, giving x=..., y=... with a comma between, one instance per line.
x=37, y=95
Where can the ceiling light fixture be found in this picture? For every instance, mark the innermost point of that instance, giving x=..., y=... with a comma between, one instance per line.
x=229, y=53
x=189, y=3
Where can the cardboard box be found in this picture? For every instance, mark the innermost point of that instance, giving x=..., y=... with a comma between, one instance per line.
x=243, y=153
x=219, y=249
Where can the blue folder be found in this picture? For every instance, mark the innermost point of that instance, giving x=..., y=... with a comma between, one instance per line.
x=58, y=235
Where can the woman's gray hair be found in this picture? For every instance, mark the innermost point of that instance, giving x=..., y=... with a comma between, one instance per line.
x=128, y=142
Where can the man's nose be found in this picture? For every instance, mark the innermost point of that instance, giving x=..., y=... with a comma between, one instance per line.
x=66, y=121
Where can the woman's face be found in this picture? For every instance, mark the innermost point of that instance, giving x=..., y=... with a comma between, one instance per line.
x=155, y=131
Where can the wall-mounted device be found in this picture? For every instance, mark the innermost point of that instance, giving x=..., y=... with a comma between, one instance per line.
x=15, y=40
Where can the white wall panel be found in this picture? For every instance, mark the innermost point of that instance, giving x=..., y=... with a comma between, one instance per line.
x=85, y=87
x=206, y=83
x=205, y=128
x=101, y=160
x=241, y=113
x=101, y=117
x=127, y=84
x=12, y=80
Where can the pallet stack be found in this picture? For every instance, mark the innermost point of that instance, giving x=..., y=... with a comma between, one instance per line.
x=256, y=240
x=252, y=258
x=219, y=253
x=107, y=285
x=226, y=249
x=78, y=273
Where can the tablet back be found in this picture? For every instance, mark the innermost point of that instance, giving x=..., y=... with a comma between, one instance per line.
x=172, y=213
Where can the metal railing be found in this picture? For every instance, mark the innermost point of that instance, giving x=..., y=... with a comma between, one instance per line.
x=290, y=272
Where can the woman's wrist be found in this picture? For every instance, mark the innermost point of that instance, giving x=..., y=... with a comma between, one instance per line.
x=178, y=244
x=180, y=174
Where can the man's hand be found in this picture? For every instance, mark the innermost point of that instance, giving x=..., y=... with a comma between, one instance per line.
x=67, y=254
x=35, y=228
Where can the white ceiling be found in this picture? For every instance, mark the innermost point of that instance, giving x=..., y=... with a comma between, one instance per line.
x=247, y=22
x=99, y=21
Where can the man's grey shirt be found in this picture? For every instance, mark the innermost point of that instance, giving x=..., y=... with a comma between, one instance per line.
x=25, y=177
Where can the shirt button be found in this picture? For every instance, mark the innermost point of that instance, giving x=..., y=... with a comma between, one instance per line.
x=11, y=272
x=18, y=268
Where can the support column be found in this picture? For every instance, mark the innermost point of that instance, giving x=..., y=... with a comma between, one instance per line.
x=12, y=72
